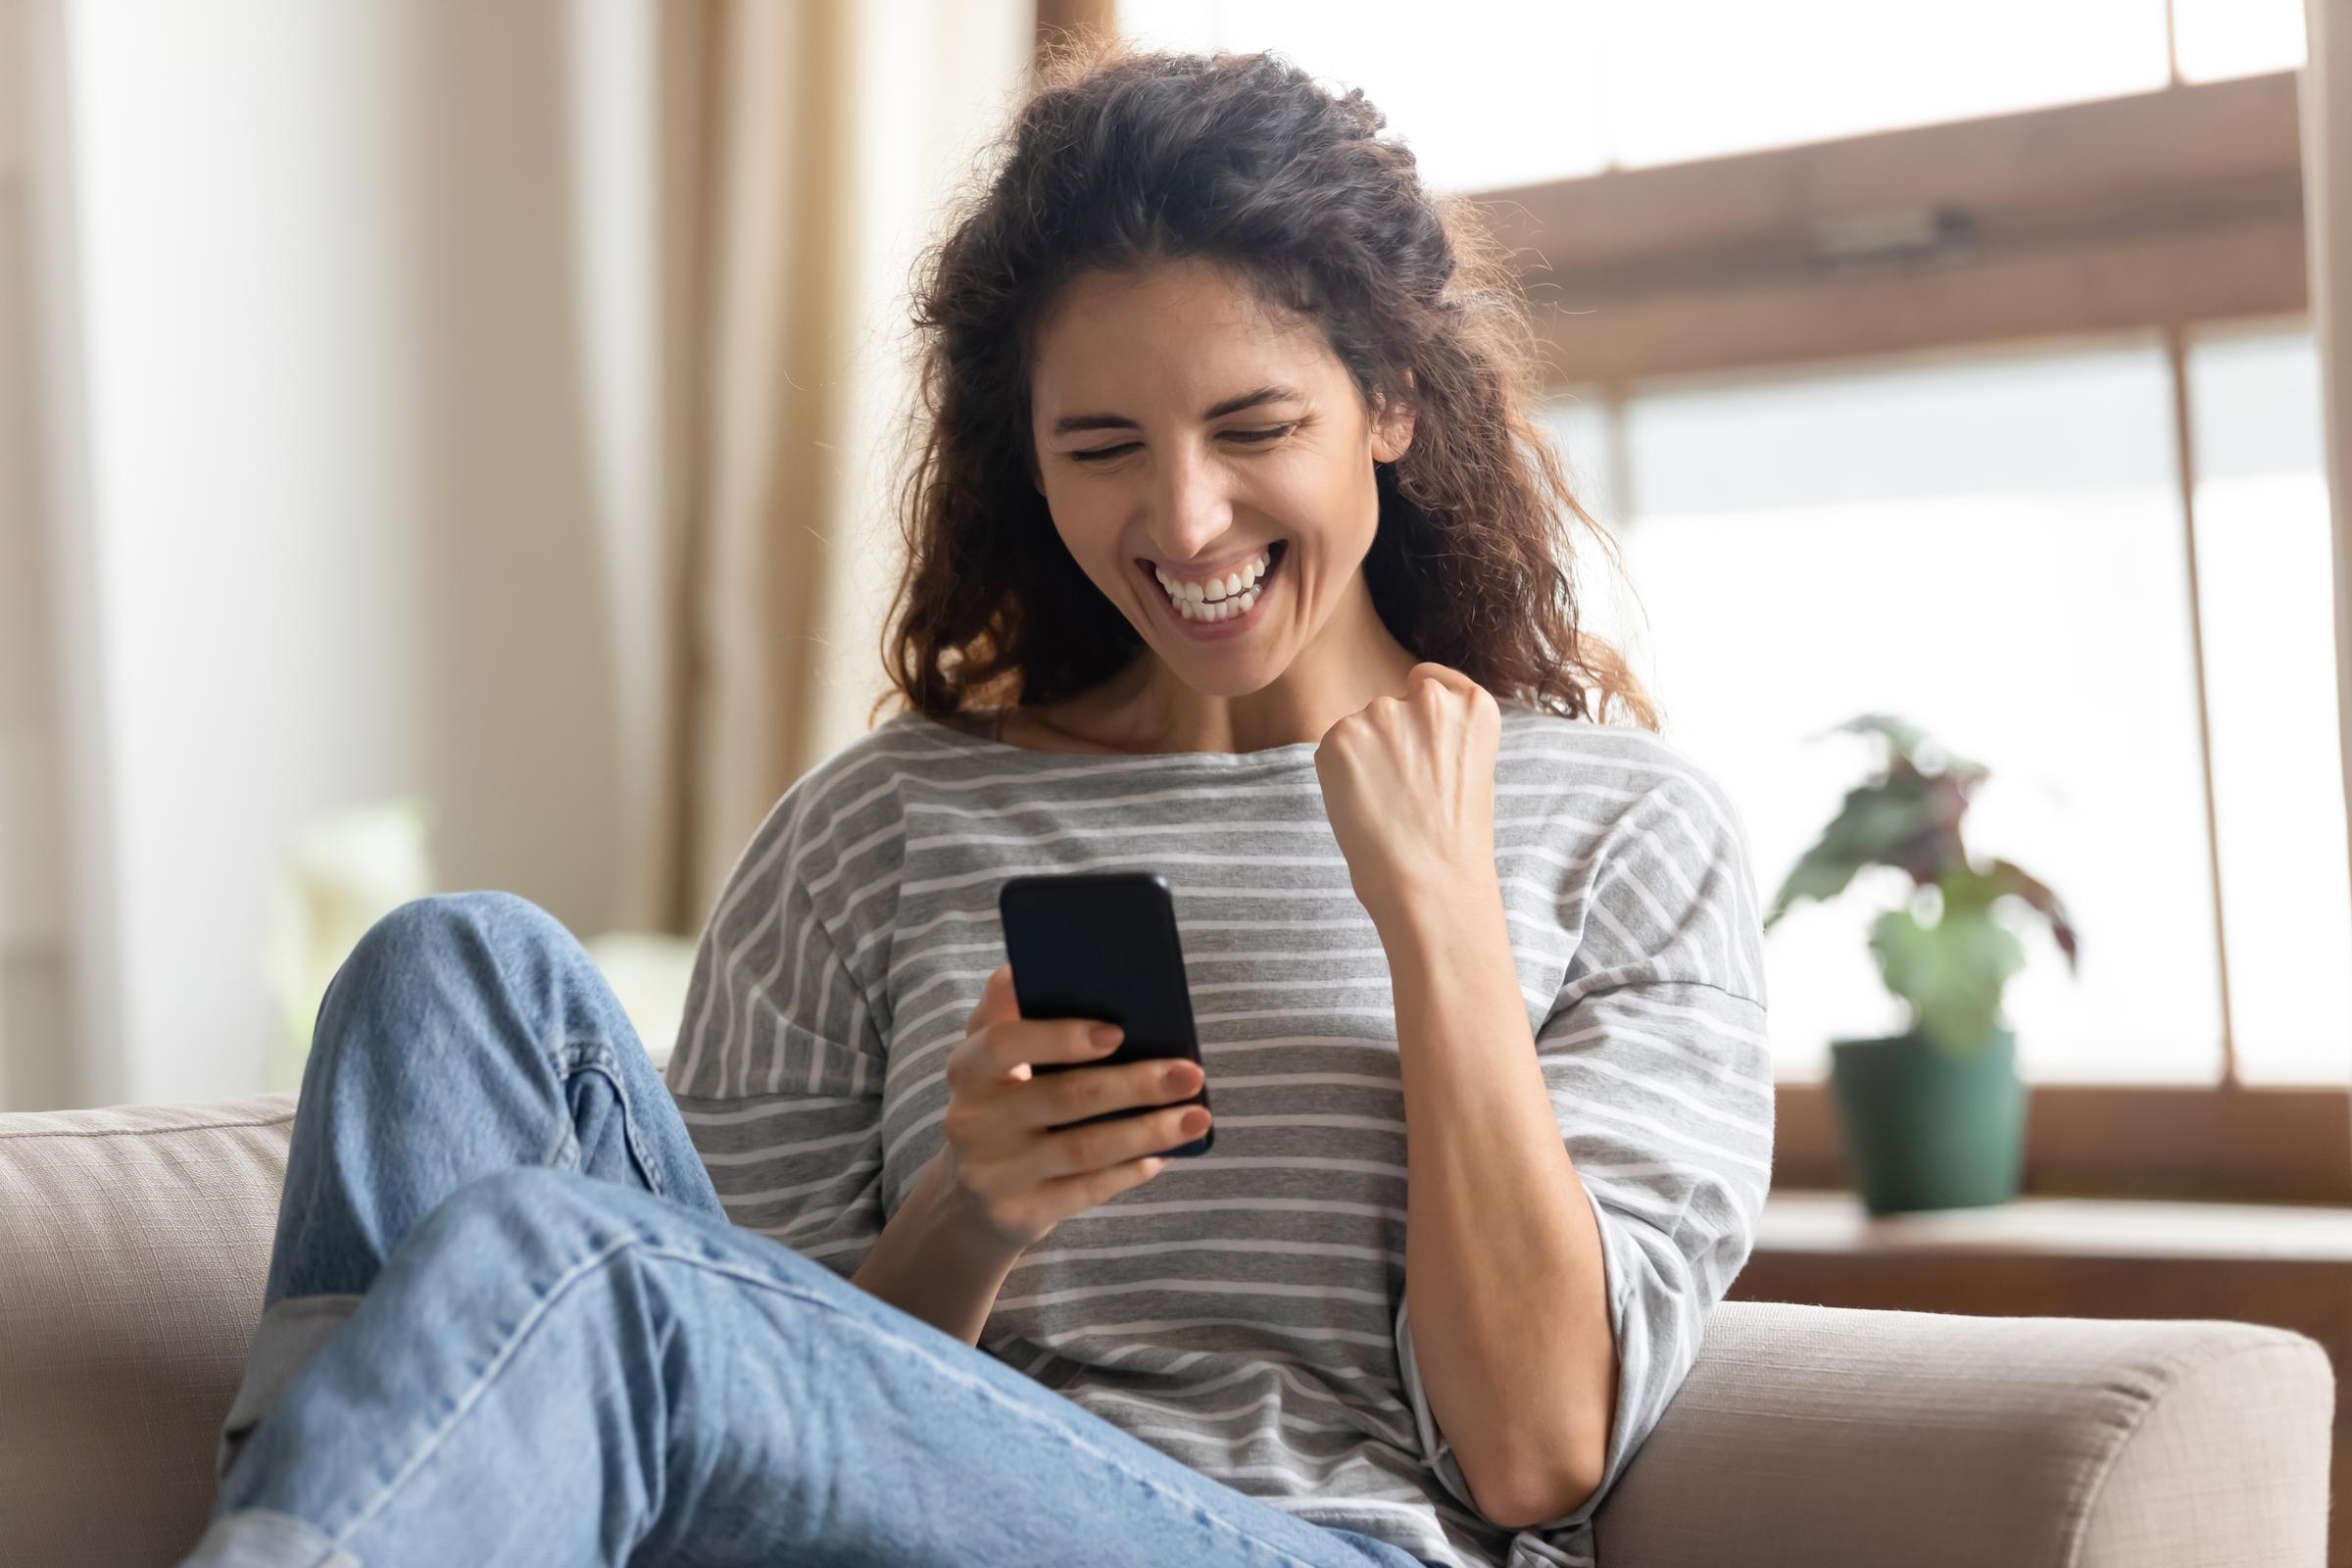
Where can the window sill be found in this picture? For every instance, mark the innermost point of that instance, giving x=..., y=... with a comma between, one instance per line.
x=1836, y=1223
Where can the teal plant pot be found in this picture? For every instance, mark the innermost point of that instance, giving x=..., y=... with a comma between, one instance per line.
x=1930, y=1128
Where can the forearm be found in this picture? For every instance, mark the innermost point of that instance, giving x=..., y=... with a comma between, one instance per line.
x=1504, y=1270
x=924, y=1264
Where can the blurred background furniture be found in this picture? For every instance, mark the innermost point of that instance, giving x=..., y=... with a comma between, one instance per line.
x=137, y=1240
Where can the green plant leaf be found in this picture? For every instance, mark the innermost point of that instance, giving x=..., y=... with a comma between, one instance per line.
x=2010, y=880
x=1953, y=974
x=1875, y=824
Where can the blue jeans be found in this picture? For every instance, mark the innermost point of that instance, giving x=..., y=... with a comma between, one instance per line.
x=508, y=1322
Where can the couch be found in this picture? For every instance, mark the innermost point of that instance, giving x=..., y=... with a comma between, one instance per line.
x=134, y=1243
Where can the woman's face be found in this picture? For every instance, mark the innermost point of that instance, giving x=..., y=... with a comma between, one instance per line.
x=1210, y=466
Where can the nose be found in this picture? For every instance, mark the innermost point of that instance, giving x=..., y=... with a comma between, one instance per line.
x=1192, y=506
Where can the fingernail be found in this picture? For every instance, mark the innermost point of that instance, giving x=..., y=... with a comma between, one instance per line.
x=1176, y=1074
x=1104, y=1036
x=1194, y=1122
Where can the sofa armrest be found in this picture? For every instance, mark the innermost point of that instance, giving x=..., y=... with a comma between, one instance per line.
x=1811, y=1434
x=135, y=1244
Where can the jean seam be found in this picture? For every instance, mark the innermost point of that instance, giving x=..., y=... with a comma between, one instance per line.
x=579, y=1055
x=571, y=1277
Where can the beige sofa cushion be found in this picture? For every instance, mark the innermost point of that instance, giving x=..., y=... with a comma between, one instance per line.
x=1809, y=1435
x=133, y=1247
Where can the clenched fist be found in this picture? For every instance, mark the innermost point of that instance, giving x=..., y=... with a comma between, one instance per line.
x=1409, y=784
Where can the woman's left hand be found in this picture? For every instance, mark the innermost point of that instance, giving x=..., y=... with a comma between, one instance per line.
x=1409, y=784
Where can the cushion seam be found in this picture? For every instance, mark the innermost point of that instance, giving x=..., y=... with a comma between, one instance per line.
x=136, y=1132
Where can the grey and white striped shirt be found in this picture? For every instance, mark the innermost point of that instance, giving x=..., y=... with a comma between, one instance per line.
x=1244, y=1311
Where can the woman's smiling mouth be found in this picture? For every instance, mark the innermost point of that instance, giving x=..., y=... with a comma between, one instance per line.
x=1203, y=603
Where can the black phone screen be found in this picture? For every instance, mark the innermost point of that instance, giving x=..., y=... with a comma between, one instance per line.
x=1103, y=945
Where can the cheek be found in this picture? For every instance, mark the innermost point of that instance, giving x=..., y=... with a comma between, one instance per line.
x=1335, y=511
x=1089, y=529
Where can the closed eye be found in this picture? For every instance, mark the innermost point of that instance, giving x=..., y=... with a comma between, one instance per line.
x=1259, y=437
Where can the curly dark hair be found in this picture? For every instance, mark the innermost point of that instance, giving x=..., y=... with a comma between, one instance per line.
x=1120, y=160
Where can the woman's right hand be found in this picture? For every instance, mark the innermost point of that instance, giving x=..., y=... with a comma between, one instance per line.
x=1013, y=1178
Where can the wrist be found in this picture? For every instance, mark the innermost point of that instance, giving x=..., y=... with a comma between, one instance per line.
x=1434, y=909
x=950, y=1225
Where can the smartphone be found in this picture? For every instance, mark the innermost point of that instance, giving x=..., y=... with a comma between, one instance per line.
x=1103, y=945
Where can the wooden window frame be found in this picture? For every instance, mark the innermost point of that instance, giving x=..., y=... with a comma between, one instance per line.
x=2157, y=213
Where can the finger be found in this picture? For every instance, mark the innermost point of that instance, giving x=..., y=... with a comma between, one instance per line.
x=1109, y=1143
x=1010, y=1047
x=1082, y=1091
x=1075, y=1195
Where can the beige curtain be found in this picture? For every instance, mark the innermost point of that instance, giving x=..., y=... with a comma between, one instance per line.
x=807, y=148
x=2326, y=107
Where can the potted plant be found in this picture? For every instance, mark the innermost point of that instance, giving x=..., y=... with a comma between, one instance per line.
x=1933, y=1118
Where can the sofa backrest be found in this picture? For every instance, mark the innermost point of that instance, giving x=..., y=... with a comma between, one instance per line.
x=133, y=1244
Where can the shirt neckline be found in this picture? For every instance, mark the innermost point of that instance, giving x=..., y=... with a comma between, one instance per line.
x=985, y=743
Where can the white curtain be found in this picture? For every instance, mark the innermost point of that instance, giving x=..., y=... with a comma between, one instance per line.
x=818, y=142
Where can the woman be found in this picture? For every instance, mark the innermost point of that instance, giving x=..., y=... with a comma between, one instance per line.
x=1230, y=485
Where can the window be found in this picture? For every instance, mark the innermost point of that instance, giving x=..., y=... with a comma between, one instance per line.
x=1993, y=549
x=2264, y=583
x=1992, y=545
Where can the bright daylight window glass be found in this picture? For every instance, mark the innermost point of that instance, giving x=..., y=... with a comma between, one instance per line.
x=2219, y=38
x=1509, y=93
x=1477, y=115
x=2265, y=588
x=1698, y=78
x=1991, y=548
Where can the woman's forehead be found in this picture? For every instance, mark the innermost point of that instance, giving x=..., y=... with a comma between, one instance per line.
x=1184, y=337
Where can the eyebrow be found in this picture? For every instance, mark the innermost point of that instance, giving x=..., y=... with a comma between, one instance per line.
x=1069, y=424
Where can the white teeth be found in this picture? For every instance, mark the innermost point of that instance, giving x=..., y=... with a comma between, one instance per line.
x=1225, y=610
x=1215, y=589
x=1218, y=598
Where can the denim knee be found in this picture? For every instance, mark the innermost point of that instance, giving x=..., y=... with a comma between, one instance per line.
x=455, y=946
x=445, y=926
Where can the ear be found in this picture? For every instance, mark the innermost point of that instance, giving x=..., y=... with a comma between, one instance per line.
x=1391, y=432
x=1392, y=425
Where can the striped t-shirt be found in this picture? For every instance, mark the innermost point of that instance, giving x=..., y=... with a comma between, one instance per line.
x=1244, y=1311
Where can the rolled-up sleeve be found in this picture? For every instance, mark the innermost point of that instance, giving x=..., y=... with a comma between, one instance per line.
x=1656, y=1058
x=779, y=1065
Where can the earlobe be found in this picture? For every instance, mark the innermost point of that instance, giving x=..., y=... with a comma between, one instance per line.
x=1392, y=425
x=1394, y=436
